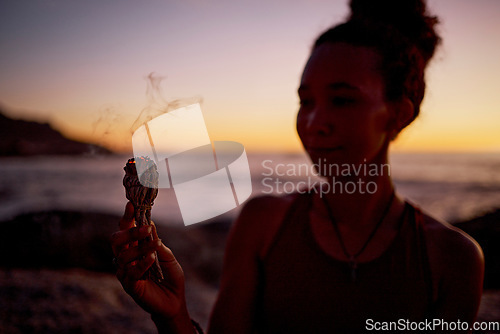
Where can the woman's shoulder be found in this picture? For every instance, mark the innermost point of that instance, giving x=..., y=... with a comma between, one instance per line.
x=457, y=269
x=450, y=249
x=445, y=237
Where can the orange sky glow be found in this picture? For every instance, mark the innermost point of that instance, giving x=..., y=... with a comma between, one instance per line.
x=82, y=66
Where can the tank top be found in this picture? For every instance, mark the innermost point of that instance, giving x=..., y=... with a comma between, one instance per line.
x=304, y=290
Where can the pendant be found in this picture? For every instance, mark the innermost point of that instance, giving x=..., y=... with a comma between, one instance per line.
x=353, y=265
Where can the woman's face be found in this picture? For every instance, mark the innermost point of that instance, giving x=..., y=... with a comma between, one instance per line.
x=343, y=115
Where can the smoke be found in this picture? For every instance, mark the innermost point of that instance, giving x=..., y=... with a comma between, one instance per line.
x=111, y=127
x=106, y=121
x=156, y=103
x=108, y=127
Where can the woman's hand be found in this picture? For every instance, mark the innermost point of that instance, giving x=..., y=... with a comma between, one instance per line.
x=166, y=300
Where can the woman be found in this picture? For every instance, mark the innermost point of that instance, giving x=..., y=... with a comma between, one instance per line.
x=334, y=260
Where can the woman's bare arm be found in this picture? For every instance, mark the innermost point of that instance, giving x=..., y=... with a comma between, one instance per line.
x=235, y=308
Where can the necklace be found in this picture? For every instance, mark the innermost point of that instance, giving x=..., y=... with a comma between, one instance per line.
x=353, y=264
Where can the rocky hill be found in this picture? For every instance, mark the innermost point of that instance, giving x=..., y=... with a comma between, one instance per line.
x=23, y=138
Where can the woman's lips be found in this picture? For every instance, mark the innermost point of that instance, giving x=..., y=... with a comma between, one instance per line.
x=323, y=150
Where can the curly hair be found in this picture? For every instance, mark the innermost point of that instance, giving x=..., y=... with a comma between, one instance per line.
x=402, y=32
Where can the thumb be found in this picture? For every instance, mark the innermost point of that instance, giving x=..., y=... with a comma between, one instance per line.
x=164, y=253
x=127, y=220
x=166, y=258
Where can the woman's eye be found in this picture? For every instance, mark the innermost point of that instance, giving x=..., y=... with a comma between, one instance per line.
x=342, y=101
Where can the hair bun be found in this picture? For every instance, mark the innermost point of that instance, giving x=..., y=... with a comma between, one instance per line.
x=409, y=17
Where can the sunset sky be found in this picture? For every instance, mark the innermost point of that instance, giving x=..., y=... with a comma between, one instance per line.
x=82, y=65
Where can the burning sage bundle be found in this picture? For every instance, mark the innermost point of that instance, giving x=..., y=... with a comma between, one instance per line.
x=142, y=193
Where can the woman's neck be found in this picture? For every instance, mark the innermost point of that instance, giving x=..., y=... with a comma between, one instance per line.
x=359, y=198
x=359, y=207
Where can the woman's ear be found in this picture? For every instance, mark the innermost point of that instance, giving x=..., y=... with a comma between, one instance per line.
x=403, y=113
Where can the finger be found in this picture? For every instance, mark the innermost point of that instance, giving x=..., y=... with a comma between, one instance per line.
x=123, y=238
x=127, y=220
x=137, y=253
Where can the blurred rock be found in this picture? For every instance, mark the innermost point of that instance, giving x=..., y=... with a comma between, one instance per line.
x=58, y=243
x=58, y=239
x=67, y=301
x=70, y=239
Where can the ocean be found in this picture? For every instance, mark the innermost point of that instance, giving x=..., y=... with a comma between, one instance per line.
x=452, y=186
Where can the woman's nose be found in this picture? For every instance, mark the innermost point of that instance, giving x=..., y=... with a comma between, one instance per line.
x=320, y=122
